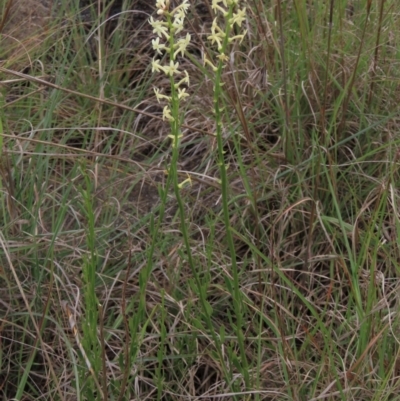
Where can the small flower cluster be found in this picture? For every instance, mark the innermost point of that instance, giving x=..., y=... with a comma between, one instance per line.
x=220, y=36
x=167, y=29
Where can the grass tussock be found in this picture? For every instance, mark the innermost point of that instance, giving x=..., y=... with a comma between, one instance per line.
x=282, y=286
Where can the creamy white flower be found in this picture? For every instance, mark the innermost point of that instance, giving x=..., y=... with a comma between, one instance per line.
x=182, y=93
x=241, y=37
x=215, y=38
x=180, y=14
x=223, y=57
x=184, y=6
x=172, y=68
x=157, y=46
x=188, y=181
x=160, y=28
x=160, y=96
x=207, y=61
x=178, y=25
x=216, y=7
x=182, y=45
x=162, y=6
x=184, y=80
x=167, y=114
x=217, y=34
x=156, y=66
x=239, y=17
x=224, y=2
x=175, y=140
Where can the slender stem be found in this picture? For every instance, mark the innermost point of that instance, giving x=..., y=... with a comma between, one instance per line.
x=237, y=295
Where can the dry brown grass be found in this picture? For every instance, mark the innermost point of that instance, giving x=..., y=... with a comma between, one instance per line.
x=314, y=211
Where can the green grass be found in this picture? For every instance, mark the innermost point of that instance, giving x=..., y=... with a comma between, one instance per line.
x=272, y=276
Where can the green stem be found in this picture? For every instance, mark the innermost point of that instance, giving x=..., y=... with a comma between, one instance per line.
x=237, y=295
x=173, y=175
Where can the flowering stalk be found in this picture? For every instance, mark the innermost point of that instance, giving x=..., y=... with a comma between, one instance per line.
x=221, y=37
x=174, y=24
x=167, y=29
